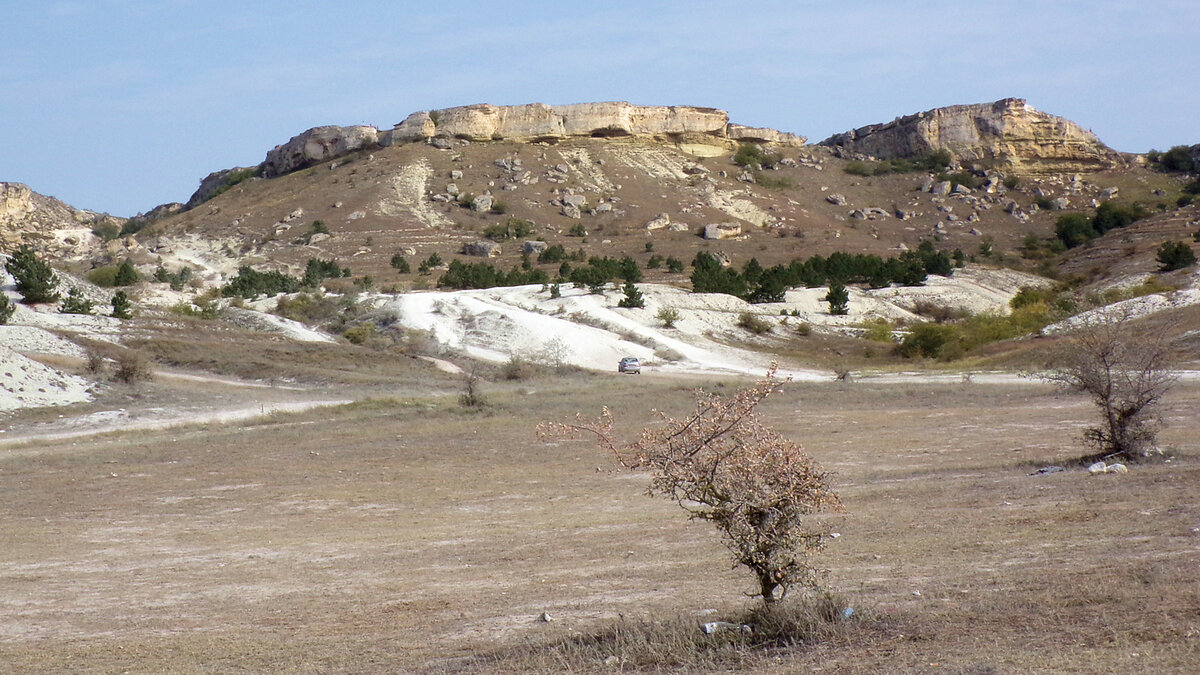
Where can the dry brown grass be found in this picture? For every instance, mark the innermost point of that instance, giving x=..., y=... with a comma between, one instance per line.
x=410, y=535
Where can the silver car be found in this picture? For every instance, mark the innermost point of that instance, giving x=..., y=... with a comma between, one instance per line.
x=629, y=365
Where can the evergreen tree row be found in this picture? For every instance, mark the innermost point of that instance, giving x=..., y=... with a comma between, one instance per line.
x=757, y=284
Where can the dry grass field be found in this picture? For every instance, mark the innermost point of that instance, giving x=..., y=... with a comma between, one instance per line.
x=412, y=535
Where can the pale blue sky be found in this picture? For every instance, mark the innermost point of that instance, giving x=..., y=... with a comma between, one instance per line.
x=120, y=105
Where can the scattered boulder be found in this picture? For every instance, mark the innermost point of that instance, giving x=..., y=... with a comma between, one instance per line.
x=940, y=188
x=836, y=199
x=482, y=249
x=722, y=231
x=533, y=247
x=482, y=203
x=660, y=221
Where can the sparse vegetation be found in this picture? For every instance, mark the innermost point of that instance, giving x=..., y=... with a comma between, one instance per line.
x=668, y=316
x=400, y=264
x=723, y=465
x=633, y=297
x=1074, y=229
x=838, y=298
x=931, y=162
x=513, y=228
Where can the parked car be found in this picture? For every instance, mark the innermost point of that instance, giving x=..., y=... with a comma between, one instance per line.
x=629, y=365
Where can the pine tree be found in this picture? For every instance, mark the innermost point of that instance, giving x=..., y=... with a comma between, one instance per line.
x=121, y=306
x=126, y=274
x=838, y=298
x=633, y=297
x=35, y=280
x=6, y=309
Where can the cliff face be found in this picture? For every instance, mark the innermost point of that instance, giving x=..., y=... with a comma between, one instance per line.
x=1008, y=133
x=27, y=217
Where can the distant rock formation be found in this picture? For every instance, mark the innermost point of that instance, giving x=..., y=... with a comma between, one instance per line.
x=1008, y=133
x=538, y=121
x=50, y=225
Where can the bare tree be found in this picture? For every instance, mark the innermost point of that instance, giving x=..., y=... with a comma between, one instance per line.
x=722, y=465
x=1125, y=373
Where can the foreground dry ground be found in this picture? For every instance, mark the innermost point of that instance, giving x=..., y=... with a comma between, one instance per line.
x=411, y=535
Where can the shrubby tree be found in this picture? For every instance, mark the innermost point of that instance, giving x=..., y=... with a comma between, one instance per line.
x=1174, y=255
x=721, y=464
x=36, y=282
x=1126, y=374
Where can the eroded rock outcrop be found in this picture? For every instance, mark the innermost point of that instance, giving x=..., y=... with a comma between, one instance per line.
x=1009, y=133
x=538, y=121
x=317, y=145
x=49, y=224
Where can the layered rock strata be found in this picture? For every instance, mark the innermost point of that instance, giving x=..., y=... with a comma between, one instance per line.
x=1010, y=134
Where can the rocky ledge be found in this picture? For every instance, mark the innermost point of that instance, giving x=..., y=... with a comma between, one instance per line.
x=1009, y=134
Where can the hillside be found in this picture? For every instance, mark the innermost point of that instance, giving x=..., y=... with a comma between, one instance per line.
x=498, y=184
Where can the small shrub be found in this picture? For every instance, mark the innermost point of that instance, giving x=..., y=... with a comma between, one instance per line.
x=104, y=277
x=107, y=230
x=668, y=316
x=674, y=265
x=753, y=323
x=517, y=368
x=931, y=340
x=360, y=333
x=803, y=329
x=400, y=264
x=1012, y=182
x=878, y=331
x=131, y=367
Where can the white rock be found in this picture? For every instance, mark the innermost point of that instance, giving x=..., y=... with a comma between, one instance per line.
x=1097, y=468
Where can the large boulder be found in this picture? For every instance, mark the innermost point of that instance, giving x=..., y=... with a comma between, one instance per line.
x=722, y=231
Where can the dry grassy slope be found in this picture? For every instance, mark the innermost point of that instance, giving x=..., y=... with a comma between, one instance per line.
x=385, y=206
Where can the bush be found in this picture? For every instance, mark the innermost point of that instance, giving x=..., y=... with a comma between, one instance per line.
x=175, y=279
x=76, y=303
x=878, y=331
x=1178, y=159
x=104, y=277
x=674, y=265
x=552, y=254
x=318, y=270
x=360, y=333
x=513, y=228
x=1175, y=255
x=668, y=316
x=722, y=465
x=131, y=367
x=250, y=283
x=107, y=230
x=931, y=340
x=753, y=323
x=434, y=260
x=1012, y=182
x=400, y=264
x=35, y=280
x=751, y=154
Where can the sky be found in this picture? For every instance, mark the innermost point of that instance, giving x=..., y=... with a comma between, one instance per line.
x=121, y=105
